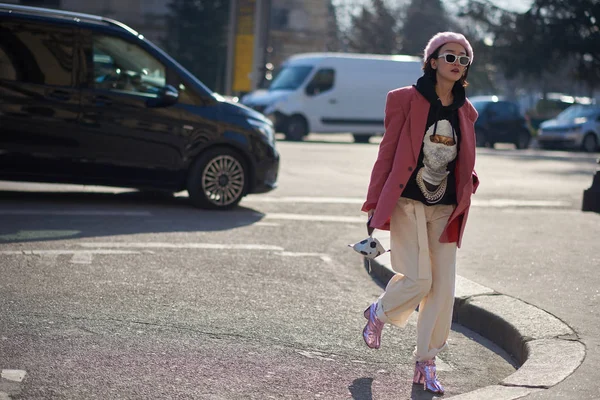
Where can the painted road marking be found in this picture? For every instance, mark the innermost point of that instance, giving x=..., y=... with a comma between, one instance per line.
x=355, y=200
x=82, y=258
x=63, y=252
x=204, y=246
x=266, y=224
x=323, y=257
x=207, y=246
x=501, y=203
x=305, y=199
x=78, y=213
x=161, y=245
x=15, y=375
x=315, y=218
x=79, y=256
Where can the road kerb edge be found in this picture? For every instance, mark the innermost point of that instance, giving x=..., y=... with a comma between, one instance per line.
x=531, y=335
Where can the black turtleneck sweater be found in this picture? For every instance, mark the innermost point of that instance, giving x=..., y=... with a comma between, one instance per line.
x=438, y=112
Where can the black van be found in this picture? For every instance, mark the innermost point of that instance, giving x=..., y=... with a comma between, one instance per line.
x=88, y=100
x=499, y=121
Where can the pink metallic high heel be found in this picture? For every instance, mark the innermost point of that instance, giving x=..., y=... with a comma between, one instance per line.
x=425, y=375
x=372, y=331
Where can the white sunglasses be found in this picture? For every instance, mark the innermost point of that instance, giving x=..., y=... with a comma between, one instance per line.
x=451, y=58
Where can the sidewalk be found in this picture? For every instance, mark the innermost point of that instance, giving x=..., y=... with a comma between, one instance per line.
x=546, y=349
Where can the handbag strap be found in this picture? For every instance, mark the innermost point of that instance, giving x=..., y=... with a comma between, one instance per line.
x=369, y=229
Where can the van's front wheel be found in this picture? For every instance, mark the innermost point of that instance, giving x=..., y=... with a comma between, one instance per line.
x=217, y=179
x=296, y=129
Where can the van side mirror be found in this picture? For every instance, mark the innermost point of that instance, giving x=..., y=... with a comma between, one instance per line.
x=166, y=96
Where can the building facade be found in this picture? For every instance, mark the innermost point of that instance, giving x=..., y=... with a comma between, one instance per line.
x=145, y=16
x=299, y=26
x=295, y=26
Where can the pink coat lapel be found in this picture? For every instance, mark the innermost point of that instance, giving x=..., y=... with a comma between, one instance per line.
x=419, y=107
x=466, y=156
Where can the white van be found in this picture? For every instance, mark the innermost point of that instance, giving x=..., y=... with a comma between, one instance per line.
x=333, y=93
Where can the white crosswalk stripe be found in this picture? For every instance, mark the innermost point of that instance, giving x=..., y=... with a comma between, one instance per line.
x=94, y=213
x=355, y=200
x=15, y=375
x=163, y=245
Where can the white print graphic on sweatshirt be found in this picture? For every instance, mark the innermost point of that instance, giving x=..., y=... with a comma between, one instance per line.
x=437, y=156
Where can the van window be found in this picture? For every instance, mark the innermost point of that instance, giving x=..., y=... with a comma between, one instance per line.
x=321, y=82
x=36, y=53
x=123, y=66
x=290, y=78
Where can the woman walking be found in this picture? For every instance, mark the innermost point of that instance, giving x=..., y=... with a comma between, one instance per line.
x=420, y=190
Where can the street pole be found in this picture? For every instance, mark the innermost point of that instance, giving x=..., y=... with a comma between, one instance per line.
x=246, y=44
x=230, y=47
x=261, y=32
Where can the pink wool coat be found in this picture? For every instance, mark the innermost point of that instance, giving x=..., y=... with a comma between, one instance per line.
x=406, y=113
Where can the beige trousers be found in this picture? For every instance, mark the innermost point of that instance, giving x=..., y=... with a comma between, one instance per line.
x=425, y=274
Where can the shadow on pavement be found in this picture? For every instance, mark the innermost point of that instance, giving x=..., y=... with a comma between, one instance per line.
x=418, y=393
x=46, y=216
x=361, y=389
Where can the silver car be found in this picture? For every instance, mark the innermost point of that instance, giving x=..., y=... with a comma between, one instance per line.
x=577, y=127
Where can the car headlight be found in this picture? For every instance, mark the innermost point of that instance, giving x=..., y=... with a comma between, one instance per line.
x=265, y=128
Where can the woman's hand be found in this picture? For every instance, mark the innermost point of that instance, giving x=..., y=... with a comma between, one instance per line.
x=371, y=212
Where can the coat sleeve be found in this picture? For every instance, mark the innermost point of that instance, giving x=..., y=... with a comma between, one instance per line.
x=474, y=116
x=394, y=120
x=475, y=182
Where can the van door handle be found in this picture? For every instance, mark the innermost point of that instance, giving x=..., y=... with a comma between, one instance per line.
x=332, y=101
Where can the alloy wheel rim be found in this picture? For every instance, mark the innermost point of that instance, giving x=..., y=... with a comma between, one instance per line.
x=223, y=180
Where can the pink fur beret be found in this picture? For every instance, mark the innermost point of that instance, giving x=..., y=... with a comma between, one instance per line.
x=441, y=38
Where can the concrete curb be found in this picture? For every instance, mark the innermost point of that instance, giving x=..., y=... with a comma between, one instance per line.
x=546, y=349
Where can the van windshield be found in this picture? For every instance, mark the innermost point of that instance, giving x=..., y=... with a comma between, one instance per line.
x=290, y=78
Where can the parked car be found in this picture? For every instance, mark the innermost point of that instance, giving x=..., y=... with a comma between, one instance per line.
x=552, y=104
x=333, y=93
x=499, y=121
x=88, y=100
x=577, y=127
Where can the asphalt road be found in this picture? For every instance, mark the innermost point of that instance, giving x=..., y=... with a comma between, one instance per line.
x=108, y=293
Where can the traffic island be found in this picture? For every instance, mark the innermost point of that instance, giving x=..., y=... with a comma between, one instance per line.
x=545, y=349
